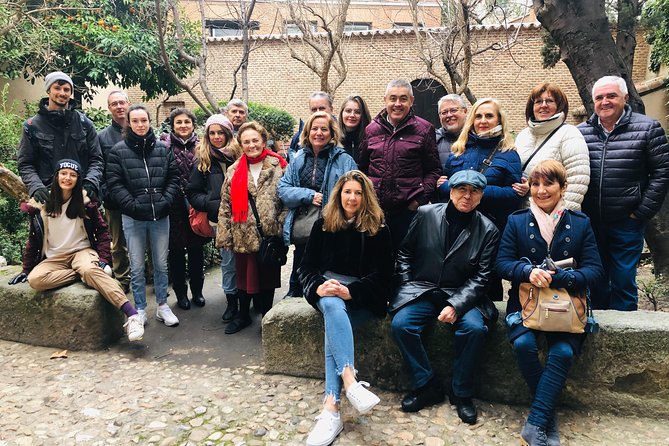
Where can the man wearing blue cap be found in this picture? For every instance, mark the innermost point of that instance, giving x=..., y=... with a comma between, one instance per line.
x=443, y=267
x=58, y=131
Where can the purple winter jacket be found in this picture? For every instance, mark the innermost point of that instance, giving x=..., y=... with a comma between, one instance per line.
x=402, y=163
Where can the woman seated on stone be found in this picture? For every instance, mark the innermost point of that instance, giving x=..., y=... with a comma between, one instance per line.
x=346, y=273
x=69, y=240
x=546, y=227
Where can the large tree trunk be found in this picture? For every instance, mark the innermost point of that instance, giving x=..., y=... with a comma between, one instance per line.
x=586, y=45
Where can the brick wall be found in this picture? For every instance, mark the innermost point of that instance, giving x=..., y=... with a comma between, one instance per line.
x=376, y=58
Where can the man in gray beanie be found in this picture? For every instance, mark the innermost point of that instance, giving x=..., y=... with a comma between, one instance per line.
x=56, y=132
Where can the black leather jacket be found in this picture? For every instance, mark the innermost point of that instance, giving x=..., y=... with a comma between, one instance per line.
x=462, y=273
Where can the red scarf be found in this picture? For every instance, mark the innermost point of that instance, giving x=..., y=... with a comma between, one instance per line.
x=239, y=185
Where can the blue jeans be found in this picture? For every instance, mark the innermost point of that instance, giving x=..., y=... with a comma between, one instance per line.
x=339, y=353
x=620, y=244
x=545, y=383
x=136, y=234
x=228, y=279
x=470, y=330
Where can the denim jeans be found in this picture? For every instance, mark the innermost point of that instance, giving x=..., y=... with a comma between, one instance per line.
x=470, y=330
x=137, y=232
x=228, y=278
x=620, y=244
x=339, y=353
x=545, y=383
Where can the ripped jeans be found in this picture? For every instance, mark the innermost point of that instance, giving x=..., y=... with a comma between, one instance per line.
x=340, y=320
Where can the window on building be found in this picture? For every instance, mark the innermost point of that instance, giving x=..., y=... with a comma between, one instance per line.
x=228, y=27
x=291, y=28
x=403, y=25
x=357, y=26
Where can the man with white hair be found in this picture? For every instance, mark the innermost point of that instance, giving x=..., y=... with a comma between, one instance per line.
x=399, y=154
x=629, y=178
x=452, y=113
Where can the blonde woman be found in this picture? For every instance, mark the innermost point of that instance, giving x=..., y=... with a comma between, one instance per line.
x=346, y=273
x=215, y=154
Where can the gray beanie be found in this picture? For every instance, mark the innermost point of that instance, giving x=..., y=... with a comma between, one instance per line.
x=57, y=76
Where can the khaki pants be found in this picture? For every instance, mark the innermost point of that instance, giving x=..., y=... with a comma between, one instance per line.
x=119, y=250
x=63, y=270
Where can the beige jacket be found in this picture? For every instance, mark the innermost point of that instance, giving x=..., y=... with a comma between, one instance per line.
x=242, y=237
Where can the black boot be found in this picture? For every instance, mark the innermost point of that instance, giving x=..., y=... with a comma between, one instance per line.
x=232, y=309
x=196, y=284
x=183, y=302
x=430, y=394
x=242, y=319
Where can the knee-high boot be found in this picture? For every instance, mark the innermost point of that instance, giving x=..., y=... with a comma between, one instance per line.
x=232, y=309
x=196, y=284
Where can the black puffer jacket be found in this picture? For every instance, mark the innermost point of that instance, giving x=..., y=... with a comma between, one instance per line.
x=629, y=169
x=109, y=137
x=462, y=272
x=53, y=135
x=204, y=188
x=142, y=177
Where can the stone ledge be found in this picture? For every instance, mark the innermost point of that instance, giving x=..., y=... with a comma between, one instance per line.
x=74, y=317
x=623, y=369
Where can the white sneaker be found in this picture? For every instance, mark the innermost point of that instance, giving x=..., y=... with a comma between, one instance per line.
x=164, y=314
x=134, y=328
x=142, y=317
x=362, y=399
x=328, y=426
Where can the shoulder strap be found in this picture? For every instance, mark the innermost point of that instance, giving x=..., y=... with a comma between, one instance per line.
x=252, y=202
x=488, y=161
x=525, y=164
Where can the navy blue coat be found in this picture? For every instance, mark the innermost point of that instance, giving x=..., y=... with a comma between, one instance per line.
x=573, y=238
x=499, y=199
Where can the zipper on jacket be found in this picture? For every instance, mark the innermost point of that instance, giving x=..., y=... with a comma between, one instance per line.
x=146, y=167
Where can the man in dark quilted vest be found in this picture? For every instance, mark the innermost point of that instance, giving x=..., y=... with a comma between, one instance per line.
x=629, y=178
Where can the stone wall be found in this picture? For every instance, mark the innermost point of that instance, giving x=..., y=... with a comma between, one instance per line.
x=624, y=368
x=374, y=58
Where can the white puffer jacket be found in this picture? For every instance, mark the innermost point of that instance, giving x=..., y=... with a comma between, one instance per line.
x=566, y=145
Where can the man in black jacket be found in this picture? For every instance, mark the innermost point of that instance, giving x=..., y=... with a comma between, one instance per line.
x=117, y=104
x=443, y=267
x=629, y=178
x=58, y=131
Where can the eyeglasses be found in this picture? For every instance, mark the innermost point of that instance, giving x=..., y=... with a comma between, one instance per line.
x=542, y=101
x=118, y=103
x=451, y=111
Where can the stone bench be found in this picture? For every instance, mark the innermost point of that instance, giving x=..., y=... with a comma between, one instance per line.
x=75, y=317
x=622, y=369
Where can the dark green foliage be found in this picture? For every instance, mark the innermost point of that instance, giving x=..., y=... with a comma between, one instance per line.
x=550, y=52
x=278, y=123
x=100, y=117
x=13, y=226
x=655, y=19
x=10, y=127
x=99, y=42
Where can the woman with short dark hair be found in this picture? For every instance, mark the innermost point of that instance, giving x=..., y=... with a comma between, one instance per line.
x=346, y=273
x=533, y=241
x=548, y=136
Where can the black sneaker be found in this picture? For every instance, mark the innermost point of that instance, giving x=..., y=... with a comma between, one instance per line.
x=237, y=324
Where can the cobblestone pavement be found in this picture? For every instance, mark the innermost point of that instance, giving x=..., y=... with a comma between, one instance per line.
x=110, y=398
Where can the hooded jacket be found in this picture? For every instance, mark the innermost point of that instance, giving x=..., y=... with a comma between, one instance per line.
x=53, y=135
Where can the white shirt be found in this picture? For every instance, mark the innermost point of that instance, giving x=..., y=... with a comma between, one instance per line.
x=64, y=235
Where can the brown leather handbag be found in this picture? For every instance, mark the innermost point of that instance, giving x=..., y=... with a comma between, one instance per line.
x=553, y=309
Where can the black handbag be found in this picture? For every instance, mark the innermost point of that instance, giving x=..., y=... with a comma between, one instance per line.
x=273, y=252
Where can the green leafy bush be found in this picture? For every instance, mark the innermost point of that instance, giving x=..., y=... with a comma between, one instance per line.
x=101, y=118
x=13, y=225
x=10, y=126
x=278, y=123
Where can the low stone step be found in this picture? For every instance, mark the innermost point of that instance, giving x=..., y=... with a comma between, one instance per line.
x=623, y=369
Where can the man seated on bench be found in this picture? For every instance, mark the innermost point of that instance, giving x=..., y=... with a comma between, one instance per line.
x=443, y=267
